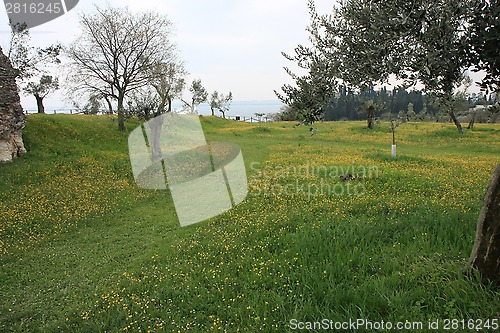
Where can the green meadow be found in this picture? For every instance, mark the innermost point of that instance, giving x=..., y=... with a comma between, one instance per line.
x=83, y=249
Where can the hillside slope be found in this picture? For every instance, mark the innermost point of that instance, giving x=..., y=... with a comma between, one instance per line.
x=84, y=250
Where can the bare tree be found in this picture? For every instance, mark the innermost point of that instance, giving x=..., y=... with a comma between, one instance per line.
x=117, y=53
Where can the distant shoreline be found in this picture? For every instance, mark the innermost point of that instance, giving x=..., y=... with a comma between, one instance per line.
x=245, y=108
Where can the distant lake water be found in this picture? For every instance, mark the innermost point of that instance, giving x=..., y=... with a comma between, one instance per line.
x=242, y=108
x=237, y=108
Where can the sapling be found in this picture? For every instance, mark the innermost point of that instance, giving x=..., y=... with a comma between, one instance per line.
x=394, y=124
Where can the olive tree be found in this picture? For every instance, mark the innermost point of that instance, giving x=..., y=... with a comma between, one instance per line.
x=364, y=42
x=45, y=86
x=168, y=81
x=117, y=53
x=29, y=61
x=31, y=64
x=485, y=42
x=221, y=102
x=166, y=84
x=198, y=95
x=339, y=55
x=316, y=86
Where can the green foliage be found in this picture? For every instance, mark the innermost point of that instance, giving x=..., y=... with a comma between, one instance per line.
x=348, y=105
x=365, y=36
x=311, y=95
x=220, y=102
x=363, y=43
x=168, y=81
x=198, y=95
x=287, y=113
x=485, y=41
x=27, y=60
x=45, y=86
x=145, y=105
x=419, y=41
x=313, y=91
x=441, y=45
x=93, y=106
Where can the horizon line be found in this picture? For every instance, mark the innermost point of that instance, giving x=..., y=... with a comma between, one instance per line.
x=174, y=103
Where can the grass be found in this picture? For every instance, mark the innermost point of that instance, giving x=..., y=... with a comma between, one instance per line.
x=84, y=250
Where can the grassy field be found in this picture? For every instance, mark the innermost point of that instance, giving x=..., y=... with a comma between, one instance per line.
x=82, y=249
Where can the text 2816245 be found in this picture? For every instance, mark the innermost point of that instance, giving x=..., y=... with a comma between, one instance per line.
x=34, y=7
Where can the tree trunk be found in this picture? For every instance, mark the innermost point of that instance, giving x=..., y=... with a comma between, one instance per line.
x=472, y=121
x=121, y=112
x=161, y=107
x=110, y=106
x=169, y=104
x=155, y=125
x=39, y=104
x=213, y=111
x=455, y=120
x=371, y=114
x=485, y=256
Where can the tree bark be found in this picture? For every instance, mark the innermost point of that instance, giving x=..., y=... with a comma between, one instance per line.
x=39, y=104
x=472, y=121
x=169, y=104
x=485, y=256
x=371, y=114
x=456, y=122
x=155, y=125
x=121, y=112
x=110, y=106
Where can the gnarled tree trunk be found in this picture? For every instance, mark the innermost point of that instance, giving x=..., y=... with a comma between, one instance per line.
x=485, y=257
x=456, y=121
x=12, y=117
x=39, y=104
x=472, y=121
x=371, y=115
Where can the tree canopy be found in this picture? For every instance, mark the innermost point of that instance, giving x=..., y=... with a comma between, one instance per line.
x=484, y=48
x=45, y=86
x=363, y=43
x=29, y=61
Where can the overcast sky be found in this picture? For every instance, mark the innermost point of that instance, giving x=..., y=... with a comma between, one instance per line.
x=230, y=45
